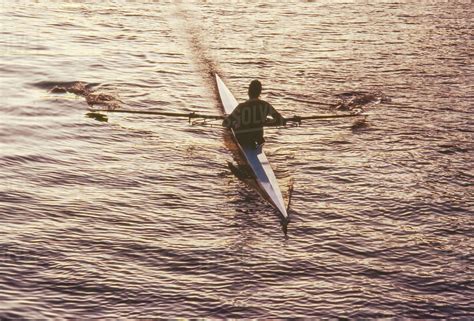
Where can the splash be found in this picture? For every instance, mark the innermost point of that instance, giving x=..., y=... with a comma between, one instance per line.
x=359, y=100
x=92, y=97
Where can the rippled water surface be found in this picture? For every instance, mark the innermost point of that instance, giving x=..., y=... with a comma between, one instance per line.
x=141, y=217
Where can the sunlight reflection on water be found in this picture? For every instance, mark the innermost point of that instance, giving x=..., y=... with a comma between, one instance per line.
x=140, y=216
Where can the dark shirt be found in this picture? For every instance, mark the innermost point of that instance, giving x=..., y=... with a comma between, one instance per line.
x=248, y=119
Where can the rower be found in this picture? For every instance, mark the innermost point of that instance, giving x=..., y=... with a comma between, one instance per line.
x=248, y=118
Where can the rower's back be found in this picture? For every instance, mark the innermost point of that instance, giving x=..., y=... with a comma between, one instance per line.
x=249, y=117
x=253, y=113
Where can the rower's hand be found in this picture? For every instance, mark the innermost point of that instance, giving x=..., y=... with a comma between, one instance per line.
x=227, y=123
x=297, y=119
x=275, y=122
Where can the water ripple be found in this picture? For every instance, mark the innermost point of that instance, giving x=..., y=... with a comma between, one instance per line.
x=140, y=217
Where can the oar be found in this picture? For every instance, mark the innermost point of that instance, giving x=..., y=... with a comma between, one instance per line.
x=296, y=119
x=160, y=113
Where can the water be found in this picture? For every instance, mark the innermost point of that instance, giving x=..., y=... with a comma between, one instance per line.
x=140, y=216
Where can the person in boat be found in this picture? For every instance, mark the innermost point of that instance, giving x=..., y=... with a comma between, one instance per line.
x=248, y=118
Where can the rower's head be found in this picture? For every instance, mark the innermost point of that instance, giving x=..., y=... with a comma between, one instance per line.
x=255, y=89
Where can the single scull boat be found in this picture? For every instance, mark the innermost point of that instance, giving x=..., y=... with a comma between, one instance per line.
x=256, y=159
x=266, y=183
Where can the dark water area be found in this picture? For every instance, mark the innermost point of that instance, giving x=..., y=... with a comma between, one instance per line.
x=140, y=216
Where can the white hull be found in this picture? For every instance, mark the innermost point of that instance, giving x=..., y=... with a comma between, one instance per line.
x=256, y=159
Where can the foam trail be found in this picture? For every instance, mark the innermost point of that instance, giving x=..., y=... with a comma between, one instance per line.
x=199, y=48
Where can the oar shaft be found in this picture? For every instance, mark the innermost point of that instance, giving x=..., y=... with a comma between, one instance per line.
x=300, y=118
x=161, y=113
x=297, y=119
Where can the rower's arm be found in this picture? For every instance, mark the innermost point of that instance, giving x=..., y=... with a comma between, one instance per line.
x=279, y=119
x=231, y=120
